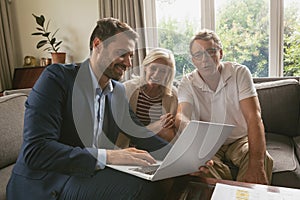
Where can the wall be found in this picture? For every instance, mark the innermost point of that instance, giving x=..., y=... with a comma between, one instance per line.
x=75, y=19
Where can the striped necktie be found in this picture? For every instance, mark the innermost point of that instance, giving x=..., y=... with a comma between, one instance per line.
x=99, y=93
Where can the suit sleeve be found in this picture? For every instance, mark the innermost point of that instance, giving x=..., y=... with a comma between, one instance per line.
x=46, y=109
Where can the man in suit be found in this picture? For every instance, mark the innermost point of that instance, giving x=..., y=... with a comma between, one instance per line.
x=73, y=117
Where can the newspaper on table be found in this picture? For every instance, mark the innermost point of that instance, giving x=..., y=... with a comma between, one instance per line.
x=255, y=192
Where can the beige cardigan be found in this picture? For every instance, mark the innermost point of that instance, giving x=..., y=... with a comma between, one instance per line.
x=133, y=87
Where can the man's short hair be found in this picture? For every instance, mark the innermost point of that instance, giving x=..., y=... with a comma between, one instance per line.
x=108, y=27
x=206, y=34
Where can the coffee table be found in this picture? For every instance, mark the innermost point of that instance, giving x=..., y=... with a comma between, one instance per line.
x=199, y=188
x=190, y=187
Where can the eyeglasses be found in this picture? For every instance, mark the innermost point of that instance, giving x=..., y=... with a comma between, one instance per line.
x=199, y=55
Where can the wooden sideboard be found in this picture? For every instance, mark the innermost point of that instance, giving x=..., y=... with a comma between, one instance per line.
x=25, y=77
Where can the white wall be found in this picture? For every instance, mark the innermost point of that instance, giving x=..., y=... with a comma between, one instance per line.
x=75, y=19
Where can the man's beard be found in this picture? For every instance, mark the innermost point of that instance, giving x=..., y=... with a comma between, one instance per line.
x=111, y=72
x=111, y=69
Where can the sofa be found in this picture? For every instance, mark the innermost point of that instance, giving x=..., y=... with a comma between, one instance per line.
x=280, y=106
x=11, y=123
x=280, y=103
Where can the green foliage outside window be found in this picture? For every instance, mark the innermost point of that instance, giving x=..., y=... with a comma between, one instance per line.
x=291, y=42
x=243, y=27
x=177, y=40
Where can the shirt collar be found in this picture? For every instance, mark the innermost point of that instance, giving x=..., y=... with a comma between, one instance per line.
x=226, y=73
x=107, y=89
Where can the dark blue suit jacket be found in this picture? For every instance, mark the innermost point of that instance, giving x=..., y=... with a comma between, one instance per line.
x=58, y=132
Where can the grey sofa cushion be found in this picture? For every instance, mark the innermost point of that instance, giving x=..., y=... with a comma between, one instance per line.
x=279, y=102
x=297, y=145
x=5, y=175
x=287, y=178
x=281, y=148
x=11, y=127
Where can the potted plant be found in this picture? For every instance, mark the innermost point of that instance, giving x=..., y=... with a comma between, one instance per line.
x=48, y=39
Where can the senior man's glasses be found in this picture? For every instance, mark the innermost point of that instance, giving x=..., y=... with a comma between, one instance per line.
x=199, y=55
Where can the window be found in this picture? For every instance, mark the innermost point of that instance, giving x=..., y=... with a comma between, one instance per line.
x=291, y=38
x=243, y=27
x=252, y=31
x=177, y=22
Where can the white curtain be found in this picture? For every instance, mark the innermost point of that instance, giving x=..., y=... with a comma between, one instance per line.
x=276, y=39
x=133, y=13
x=208, y=20
x=7, y=58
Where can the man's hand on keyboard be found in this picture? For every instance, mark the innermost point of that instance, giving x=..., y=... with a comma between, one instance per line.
x=129, y=156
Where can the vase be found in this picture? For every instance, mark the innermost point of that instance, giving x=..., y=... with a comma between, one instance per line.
x=59, y=57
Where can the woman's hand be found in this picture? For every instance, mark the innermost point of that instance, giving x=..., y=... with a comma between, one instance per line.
x=167, y=120
x=167, y=127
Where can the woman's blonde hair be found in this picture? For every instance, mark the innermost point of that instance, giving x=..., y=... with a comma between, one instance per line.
x=164, y=54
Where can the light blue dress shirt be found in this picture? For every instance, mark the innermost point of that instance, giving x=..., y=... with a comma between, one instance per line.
x=99, y=107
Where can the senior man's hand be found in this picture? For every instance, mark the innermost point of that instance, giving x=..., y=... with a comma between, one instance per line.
x=203, y=169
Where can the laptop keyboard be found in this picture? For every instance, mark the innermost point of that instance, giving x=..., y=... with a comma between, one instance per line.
x=147, y=169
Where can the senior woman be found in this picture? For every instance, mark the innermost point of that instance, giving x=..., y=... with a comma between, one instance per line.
x=152, y=95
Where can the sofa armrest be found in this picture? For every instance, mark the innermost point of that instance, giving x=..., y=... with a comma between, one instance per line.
x=11, y=122
x=23, y=91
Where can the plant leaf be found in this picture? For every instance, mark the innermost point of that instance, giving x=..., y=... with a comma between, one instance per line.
x=40, y=29
x=41, y=43
x=40, y=20
x=36, y=18
x=37, y=33
x=52, y=42
x=46, y=34
x=57, y=44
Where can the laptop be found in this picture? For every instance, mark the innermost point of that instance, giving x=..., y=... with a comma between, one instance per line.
x=197, y=144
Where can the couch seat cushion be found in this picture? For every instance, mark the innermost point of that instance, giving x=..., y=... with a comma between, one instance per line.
x=281, y=148
x=297, y=145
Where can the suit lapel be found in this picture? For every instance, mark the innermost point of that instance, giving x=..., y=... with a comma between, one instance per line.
x=83, y=104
